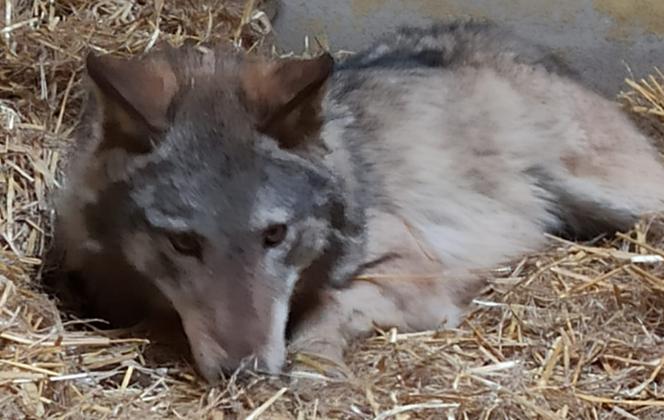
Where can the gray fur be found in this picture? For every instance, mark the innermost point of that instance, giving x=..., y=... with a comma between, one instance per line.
x=443, y=151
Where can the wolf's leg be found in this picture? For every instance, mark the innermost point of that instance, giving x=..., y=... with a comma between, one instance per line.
x=406, y=288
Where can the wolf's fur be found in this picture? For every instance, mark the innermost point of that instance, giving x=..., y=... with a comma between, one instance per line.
x=420, y=163
x=469, y=145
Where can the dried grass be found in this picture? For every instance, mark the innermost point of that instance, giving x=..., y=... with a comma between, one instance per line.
x=575, y=332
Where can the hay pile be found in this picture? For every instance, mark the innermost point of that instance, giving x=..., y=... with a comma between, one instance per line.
x=576, y=332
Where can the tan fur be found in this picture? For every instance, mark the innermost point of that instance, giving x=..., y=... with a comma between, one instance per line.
x=455, y=171
x=409, y=290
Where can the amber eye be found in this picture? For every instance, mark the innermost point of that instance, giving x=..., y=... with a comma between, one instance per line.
x=186, y=244
x=274, y=235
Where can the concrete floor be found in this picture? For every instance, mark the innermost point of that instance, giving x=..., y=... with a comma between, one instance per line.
x=598, y=38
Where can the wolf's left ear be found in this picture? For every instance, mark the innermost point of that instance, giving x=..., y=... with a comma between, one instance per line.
x=286, y=95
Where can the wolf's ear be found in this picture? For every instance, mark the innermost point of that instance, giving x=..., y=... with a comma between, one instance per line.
x=286, y=95
x=134, y=96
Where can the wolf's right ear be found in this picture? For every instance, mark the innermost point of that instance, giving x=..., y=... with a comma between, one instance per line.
x=134, y=96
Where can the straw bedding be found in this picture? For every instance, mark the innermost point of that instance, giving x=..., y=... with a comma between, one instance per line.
x=575, y=332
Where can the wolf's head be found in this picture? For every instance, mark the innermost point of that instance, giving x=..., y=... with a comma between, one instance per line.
x=213, y=187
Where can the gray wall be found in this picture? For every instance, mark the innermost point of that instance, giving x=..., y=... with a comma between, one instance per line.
x=596, y=37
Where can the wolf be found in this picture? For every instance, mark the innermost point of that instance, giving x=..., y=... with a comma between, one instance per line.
x=283, y=204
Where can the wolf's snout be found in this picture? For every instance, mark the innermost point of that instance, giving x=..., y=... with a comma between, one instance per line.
x=213, y=362
x=223, y=352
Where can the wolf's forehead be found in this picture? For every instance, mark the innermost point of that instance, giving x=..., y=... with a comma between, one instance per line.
x=182, y=190
x=208, y=148
x=219, y=210
x=197, y=206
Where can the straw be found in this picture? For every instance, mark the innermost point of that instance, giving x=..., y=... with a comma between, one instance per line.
x=574, y=332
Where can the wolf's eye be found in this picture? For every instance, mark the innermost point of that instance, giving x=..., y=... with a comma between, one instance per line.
x=186, y=243
x=274, y=235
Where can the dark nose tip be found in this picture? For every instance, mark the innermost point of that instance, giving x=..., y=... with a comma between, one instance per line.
x=239, y=368
x=212, y=377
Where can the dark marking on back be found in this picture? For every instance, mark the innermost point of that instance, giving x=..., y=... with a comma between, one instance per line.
x=581, y=219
